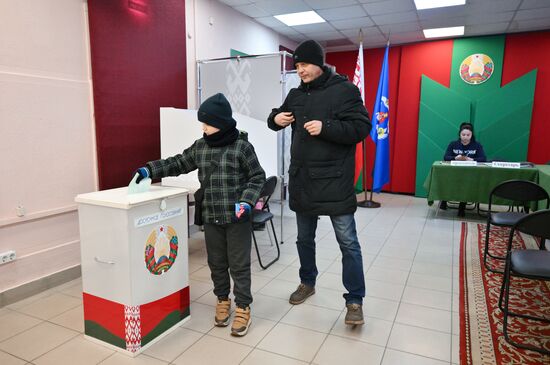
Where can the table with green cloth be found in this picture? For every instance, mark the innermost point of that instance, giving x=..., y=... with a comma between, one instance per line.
x=471, y=183
x=544, y=181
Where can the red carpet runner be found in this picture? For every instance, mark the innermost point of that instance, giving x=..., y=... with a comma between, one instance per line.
x=481, y=338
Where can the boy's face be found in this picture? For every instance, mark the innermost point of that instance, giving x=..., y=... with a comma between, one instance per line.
x=208, y=129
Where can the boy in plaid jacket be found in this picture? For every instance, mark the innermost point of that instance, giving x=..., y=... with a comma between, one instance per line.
x=238, y=178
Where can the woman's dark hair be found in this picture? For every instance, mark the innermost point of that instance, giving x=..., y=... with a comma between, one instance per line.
x=468, y=126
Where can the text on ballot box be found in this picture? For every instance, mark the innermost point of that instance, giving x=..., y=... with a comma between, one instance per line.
x=135, y=277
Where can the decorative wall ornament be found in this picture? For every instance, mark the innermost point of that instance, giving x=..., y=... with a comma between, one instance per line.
x=476, y=69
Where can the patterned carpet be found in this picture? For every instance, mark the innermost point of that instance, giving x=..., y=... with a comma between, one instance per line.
x=481, y=337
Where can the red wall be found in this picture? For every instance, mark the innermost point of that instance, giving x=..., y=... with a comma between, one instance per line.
x=138, y=65
x=433, y=59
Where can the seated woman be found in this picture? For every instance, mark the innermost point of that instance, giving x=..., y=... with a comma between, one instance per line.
x=465, y=148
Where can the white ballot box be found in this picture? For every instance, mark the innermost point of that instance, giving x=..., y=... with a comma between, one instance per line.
x=135, y=278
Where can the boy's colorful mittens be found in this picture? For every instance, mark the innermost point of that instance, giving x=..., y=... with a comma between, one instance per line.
x=242, y=211
x=143, y=173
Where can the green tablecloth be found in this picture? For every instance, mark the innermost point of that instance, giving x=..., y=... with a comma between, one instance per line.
x=544, y=181
x=470, y=183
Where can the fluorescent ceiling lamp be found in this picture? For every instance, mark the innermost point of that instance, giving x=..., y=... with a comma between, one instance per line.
x=430, y=4
x=443, y=32
x=305, y=17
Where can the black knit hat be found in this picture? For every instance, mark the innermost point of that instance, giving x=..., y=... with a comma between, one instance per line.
x=309, y=52
x=216, y=112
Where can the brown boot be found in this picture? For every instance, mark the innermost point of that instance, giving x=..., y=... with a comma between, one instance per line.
x=241, y=322
x=301, y=294
x=222, y=312
x=354, y=316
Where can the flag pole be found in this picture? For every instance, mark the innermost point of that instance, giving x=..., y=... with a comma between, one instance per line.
x=367, y=203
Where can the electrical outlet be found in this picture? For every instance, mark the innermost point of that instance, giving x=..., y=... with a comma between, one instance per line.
x=7, y=256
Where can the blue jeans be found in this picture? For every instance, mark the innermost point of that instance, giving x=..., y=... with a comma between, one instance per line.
x=352, y=262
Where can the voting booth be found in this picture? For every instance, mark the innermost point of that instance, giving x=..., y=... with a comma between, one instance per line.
x=134, y=265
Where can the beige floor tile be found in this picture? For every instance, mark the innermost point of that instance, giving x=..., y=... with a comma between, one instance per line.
x=311, y=317
x=297, y=343
x=7, y=359
x=327, y=298
x=267, y=358
x=122, y=359
x=393, y=263
x=74, y=289
x=198, y=288
x=338, y=350
x=425, y=317
x=13, y=323
x=279, y=289
x=384, y=290
x=270, y=308
x=455, y=354
x=388, y=275
x=78, y=350
x=256, y=332
x=428, y=298
x=173, y=345
x=375, y=331
x=398, y=252
x=394, y=357
x=427, y=268
x=72, y=319
x=420, y=341
x=455, y=317
x=330, y=281
x=430, y=282
x=258, y=282
x=27, y=301
x=212, y=350
x=37, y=341
x=380, y=308
x=202, y=274
x=202, y=318
x=270, y=272
x=290, y=274
x=51, y=306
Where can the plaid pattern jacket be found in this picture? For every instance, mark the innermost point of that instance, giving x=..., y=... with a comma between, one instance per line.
x=238, y=177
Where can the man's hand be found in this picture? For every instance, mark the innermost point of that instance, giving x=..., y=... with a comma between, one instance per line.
x=284, y=119
x=314, y=127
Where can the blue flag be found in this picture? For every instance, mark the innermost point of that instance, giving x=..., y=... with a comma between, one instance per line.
x=380, y=131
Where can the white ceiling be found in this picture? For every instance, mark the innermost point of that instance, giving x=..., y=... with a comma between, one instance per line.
x=397, y=20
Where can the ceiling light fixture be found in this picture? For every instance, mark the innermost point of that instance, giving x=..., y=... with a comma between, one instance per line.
x=443, y=32
x=430, y=4
x=305, y=17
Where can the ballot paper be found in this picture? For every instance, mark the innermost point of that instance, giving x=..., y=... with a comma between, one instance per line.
x=143, y=186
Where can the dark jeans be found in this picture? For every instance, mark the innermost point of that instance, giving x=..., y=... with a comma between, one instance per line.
x=352, y=262
x=228, y=250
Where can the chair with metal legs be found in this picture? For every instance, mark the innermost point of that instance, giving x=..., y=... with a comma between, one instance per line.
x=264, y=215
x=516, y=193
x=530, y=264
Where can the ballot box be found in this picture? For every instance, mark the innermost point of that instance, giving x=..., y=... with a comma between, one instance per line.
x=135, y=278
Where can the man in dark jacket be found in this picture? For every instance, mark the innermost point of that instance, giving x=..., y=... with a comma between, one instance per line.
x=328, y=118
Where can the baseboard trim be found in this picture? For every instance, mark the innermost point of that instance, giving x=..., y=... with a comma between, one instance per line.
x=37, y=286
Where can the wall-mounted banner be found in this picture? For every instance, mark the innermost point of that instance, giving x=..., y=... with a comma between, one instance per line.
x=476, y=69
x=157, y=217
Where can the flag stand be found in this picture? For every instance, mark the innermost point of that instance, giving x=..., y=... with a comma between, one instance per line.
x=367, y=203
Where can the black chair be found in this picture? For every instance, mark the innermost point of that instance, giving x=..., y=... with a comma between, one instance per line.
x=530, y=264
x=519, y=194
x=262, y=216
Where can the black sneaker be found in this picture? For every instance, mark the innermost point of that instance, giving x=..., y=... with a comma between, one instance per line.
x=443, y=205
x=354, y=316
x=300, y=295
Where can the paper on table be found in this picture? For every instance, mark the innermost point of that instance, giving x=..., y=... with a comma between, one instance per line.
x=143, y=186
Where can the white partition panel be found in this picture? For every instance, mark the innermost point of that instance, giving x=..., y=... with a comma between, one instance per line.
x=179, y=128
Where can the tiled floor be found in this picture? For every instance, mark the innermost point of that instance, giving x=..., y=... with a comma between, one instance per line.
x=410, y=255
